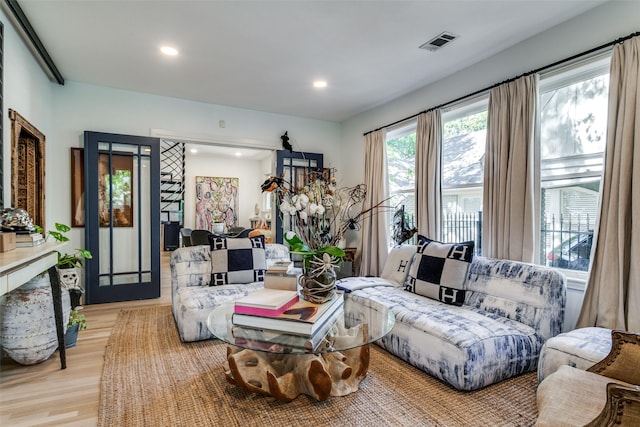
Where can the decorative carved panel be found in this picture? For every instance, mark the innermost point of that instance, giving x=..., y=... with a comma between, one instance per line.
x=27, y=168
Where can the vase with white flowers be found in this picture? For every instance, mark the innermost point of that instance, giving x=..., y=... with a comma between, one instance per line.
x=317, y=216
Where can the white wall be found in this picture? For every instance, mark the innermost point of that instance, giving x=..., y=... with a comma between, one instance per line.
x=28, y=91
x=600, y=25
x=77, y=107
x=249, y=173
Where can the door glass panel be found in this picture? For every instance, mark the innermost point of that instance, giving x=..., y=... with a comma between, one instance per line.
x=124, y=185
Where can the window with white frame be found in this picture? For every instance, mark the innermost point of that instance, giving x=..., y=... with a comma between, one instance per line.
x=464, y=134
x=401, y=168
x=572, y=136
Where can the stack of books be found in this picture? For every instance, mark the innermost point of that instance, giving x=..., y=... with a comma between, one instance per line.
x=28, y=240
x=280, y=266
x=280, y=275
x=303, y=324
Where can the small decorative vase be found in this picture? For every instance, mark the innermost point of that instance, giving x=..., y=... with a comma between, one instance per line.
x=27, y=322
x=318, y=285
x=71, y=336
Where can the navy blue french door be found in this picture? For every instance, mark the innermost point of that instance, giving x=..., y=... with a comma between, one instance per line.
x=294, y=167
x=122, y=217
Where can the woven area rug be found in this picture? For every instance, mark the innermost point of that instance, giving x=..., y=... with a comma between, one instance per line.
x=150, y=378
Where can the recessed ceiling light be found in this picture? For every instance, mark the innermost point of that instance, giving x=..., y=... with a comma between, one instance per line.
x=238, y=154
x=193, y=151
x=320, y=84
x=169, y=51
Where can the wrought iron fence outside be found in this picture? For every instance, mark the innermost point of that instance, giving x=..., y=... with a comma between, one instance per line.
x=463, y=227
x=565, y=240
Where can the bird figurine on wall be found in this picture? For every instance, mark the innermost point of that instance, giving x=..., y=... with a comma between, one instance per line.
x=285, y=141
x=271, y=184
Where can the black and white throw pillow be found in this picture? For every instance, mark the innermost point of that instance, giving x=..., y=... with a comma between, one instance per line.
x=398, y=263
x=237, y=260
x=439, y=270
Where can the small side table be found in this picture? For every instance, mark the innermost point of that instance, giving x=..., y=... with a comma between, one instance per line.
x=350, y=255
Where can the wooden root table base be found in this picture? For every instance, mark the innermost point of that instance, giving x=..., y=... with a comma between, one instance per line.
x=286, y=376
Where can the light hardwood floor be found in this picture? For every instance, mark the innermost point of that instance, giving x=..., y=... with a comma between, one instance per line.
x=45, y=395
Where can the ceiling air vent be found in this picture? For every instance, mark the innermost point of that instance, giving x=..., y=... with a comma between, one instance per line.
x=438, y=41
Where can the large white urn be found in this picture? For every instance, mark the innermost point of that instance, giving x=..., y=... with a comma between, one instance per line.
x=27, y=322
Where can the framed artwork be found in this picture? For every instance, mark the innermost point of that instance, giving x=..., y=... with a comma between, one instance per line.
x=216, y=201
x=77, y=187
x=118, y=181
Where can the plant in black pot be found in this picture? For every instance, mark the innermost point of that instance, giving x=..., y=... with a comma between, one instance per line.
x=77, y=322
x=68, y=265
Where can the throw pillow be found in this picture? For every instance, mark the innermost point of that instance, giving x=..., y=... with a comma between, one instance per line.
x=439, y=270
x=398, y=263
x=237, y=260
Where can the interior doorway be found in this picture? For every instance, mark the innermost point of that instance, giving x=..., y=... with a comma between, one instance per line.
x=247, y=167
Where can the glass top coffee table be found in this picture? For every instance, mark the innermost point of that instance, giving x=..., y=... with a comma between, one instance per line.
x=286, y=366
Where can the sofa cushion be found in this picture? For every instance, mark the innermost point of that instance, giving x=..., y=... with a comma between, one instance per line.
x=580, y=348
x=236, y=261
x=398, y=263
x=349, y=284
x=439, y=270
x=531, y=294
x=193, y=304
x=467, y=348
x=276, y=252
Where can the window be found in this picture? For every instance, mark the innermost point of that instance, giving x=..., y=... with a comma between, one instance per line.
x=463, y=145
x=401, y=168
x=572, y=136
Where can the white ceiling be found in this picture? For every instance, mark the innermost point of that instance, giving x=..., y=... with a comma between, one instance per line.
x=263, y=55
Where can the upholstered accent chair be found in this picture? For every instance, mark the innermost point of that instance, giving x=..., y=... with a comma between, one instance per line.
x=606, y=394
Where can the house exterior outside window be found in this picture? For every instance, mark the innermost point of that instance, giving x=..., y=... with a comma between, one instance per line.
x=401, y=168
x=572, y=136
x=463, y=146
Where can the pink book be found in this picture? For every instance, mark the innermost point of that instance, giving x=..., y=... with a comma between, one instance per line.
x=266, y=302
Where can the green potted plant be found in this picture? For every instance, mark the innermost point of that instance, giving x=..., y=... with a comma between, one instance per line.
x=69, y=263
x=77, y=322
x=72, y=260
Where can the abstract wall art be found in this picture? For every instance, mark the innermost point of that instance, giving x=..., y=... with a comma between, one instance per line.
x=216, y=201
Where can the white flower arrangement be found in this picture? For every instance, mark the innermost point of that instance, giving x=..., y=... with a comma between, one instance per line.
x=318, y=213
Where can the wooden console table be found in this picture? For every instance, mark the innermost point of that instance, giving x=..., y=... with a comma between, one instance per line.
x=20, y=265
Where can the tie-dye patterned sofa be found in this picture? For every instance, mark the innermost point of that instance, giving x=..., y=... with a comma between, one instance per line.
x=192, y=297
x=508, y=312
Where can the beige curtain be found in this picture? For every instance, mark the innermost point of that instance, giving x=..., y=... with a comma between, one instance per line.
x=612, y=297
x=508, y=208
x=375, y=227
x=428, y=174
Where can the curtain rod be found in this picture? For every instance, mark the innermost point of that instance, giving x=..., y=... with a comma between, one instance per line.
x=537, y=70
